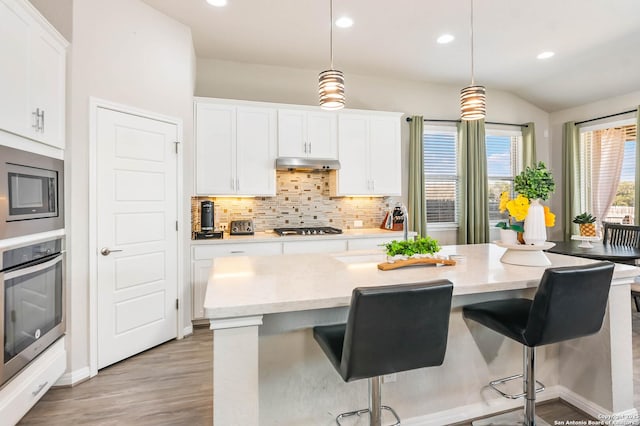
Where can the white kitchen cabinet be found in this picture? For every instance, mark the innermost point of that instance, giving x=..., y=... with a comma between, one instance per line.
x=307, y=134
x=32, y=78
x=318, y=246
x=24, y=390
x=235, y=149
x=369, y=153
x=202, y=258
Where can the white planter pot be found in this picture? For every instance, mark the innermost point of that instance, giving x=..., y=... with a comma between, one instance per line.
x=508, y=236
x=535, y=231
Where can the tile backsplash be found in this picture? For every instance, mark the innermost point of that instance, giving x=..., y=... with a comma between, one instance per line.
x=302, y=199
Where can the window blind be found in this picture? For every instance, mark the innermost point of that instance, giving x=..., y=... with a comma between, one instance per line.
x=441, y=176
x=502, y=165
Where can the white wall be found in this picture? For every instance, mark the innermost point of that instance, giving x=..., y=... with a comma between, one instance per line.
x=126, y=52
x=234, y=80
x=584, y=112
x=58, y=13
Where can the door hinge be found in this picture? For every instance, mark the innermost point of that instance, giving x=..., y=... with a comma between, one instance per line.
x=176, y=225
x=177, y=303
x=176, y=143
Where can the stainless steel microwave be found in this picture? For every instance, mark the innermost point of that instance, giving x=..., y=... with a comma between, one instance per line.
x=31, y=193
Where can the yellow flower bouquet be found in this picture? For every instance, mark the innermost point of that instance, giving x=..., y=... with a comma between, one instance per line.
x=518, y=209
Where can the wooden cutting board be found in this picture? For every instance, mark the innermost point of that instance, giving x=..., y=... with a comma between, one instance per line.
x=385, y=266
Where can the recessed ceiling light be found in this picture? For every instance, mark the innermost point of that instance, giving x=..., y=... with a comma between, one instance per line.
x=344, y=22
x=445, y=38
x=217, y=3
x=545, y=55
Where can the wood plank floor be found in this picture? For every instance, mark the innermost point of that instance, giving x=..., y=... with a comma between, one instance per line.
x=167, y=385
x=171, y=385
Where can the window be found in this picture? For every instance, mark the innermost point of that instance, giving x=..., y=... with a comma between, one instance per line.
x=441, y=174
x=441, y=170
x=503, y=164
x=607, y=171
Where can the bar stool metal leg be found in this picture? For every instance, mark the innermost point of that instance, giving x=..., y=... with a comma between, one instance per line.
x=375, y=406
x=375, y=401
x=530, y=387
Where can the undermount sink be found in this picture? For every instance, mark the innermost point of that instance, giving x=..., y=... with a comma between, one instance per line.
x=362, y=258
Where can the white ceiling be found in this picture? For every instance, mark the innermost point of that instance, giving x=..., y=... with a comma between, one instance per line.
x=597, y=42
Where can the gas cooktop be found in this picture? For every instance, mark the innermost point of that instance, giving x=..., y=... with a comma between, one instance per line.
x=320, y=230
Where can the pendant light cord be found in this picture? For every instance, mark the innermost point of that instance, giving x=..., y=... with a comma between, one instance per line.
x=331, y=31
x=472, y=68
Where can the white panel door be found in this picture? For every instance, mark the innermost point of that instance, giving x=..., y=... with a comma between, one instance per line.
x=215, y=149
x=353, y=176
x=255, y=151
x=14, y=50
x=384, y=156
x=136, y=220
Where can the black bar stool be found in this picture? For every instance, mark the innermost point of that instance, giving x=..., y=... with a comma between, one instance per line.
x=389, y=329
x=569, y=303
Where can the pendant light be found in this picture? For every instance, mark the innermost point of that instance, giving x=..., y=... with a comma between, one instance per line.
x=473, y=97
x=331, y=81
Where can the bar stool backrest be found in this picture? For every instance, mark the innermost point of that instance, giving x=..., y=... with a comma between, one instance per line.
x=621, y=235
x=570, y=303
x=396, y=328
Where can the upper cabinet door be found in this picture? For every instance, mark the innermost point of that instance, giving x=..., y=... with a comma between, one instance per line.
x=307, y=134
x=384, y=156
x=322, y=135
x=292, y=133
x=14, y=84
x=32, y=75
x=215, y=149
x=47, y=94
x=353, y=176
x=256, y=151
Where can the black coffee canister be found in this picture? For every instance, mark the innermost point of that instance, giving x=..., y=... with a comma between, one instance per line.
x=206, y=216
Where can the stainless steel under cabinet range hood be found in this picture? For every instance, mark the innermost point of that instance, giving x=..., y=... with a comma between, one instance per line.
x=296, y=163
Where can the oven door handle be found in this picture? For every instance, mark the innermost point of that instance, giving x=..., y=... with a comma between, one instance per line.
x=31, y=269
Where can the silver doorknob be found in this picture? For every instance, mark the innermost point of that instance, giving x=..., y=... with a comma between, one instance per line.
x=106, y=251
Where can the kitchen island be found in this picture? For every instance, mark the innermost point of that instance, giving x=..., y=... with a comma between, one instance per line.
x=268, y=369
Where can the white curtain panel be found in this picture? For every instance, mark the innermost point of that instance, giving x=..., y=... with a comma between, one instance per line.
x=606, y=164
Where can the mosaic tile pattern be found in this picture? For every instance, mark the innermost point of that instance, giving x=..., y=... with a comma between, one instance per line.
x=302, y=199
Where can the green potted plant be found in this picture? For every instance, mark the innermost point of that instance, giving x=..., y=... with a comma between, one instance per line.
x=421, y=247
x=536, y=184
x=587, y=224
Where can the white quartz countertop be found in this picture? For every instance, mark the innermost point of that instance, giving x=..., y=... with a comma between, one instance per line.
x=256, y=285
x=272, y=236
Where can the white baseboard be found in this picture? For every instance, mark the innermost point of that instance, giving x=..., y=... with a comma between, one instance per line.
x=627, y=417
x=499, y=404
x=188, y=330
x=475, y=410
x=73, y=377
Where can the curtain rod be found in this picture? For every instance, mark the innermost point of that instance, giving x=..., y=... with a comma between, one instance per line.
x=606, y=116
x=409, y=119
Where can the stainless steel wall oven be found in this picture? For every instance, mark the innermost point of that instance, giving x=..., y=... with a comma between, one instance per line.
x=31, y=193
x=32, y=301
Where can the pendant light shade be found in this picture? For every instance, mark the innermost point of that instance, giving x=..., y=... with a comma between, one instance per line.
x=331, y=89
x=331, y=81
x=473, y=101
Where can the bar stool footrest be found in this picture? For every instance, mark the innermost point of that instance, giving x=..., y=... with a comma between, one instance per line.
x=495, y=383
x=366, y=410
